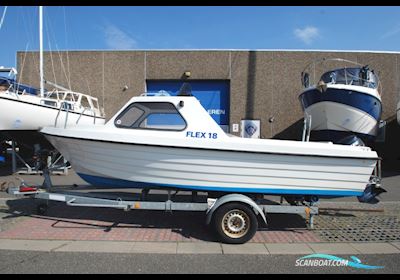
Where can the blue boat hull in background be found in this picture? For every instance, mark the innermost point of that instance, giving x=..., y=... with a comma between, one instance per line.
x=338, y=113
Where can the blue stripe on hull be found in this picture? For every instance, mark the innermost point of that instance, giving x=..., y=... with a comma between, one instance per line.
x=362, y=101
x=118, y=183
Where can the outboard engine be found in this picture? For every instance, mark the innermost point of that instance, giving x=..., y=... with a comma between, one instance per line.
x=370, y=194
x=374, y=189
x=351, y=140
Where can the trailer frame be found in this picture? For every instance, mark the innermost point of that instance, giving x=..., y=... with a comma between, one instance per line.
x=248, y=206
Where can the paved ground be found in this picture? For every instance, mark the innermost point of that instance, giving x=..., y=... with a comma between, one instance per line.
x=200, y=248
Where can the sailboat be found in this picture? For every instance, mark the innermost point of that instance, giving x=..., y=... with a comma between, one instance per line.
x=25, y=110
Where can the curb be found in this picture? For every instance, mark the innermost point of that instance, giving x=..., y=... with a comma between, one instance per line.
x=199, y=247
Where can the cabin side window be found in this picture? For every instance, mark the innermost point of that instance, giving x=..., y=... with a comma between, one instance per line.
x=129, y=117
x=151, y=115
x=85, y=102
x=49, y=103
x=95, y=103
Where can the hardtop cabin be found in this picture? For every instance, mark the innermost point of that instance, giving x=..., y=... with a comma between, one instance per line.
x=172, y=114
x=351, y=73
x=358, y=76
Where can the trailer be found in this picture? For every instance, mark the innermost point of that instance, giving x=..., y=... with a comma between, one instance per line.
x=234, y=217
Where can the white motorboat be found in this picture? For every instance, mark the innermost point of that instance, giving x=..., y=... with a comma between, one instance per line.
x=172, y=142
x=341, y=102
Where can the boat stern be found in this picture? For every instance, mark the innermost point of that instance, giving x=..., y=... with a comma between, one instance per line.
x=374, y=188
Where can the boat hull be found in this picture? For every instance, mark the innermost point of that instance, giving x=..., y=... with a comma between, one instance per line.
x=338, y=112
x=111, y=164
x=26, y=116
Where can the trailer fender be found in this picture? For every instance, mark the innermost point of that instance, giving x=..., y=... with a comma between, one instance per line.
x=234, y=198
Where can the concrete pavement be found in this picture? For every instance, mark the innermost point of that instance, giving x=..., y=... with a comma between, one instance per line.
x=70, y=229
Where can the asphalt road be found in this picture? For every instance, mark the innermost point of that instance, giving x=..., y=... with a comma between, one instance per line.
x=56, y=262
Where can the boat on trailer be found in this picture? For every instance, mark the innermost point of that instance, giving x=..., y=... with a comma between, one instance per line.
x=172, y=142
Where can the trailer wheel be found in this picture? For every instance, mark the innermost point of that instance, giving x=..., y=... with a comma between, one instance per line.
x=42, y=209
x=235, y=223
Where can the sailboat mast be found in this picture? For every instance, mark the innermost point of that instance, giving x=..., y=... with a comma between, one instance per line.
x=41, y=50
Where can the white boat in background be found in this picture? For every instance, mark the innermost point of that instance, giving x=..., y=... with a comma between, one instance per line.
x=23, y=114
x=25, y=110
x=172, y=142
x=341, y=102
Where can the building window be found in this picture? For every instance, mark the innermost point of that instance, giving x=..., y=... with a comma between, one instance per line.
x=151, y=115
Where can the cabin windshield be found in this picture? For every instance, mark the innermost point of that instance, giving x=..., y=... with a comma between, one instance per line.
x=352, y=76
x=151, y=115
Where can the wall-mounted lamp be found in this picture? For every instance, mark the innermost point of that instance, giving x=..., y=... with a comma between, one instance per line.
x=125, y=88
x=186, y=74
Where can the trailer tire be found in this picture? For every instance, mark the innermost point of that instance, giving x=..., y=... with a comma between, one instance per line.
x=235, y=223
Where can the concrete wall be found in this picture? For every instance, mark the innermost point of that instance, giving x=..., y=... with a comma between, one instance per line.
x=263, y=84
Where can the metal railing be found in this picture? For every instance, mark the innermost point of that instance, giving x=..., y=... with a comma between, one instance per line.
x=306, y=128
x=58, y=114
x=67, y=113
x=80, y=115
x=377, y=177
x=309, y=74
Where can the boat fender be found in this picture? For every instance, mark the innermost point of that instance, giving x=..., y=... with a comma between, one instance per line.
x=234, y=198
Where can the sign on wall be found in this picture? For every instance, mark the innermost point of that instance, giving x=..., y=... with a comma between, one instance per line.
x=250, y=128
